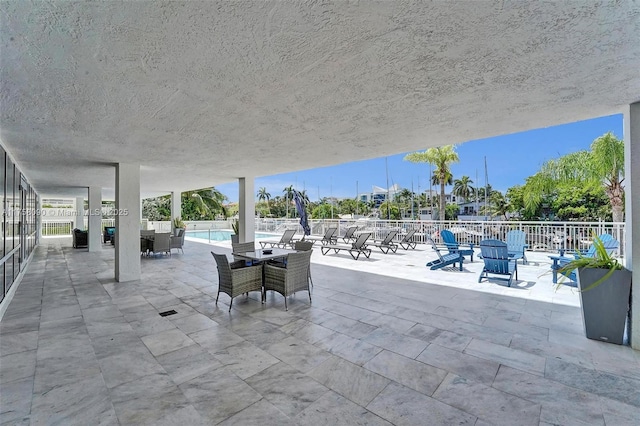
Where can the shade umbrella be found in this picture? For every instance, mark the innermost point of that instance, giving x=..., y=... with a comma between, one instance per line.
x=302, y=212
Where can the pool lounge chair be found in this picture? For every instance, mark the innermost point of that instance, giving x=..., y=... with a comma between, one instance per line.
x=355, y=249
x=407, y=241
x=444, y=259
x=387, y=243
x=350, y=235
x=285, y=240
x=497, y=261
x=329, y=236
x=449, y=240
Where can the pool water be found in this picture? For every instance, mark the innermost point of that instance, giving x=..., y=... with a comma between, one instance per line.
x=220, y=235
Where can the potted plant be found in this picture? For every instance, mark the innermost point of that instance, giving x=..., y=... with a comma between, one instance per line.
x=235, y=226
x=178, y=224
x=605, y=286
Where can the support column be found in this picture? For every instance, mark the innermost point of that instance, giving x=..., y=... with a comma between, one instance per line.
x=78, y=219
x=127, y=246
x=95, y=218
x=176, y=205
x=632, y=212
x=246, y=209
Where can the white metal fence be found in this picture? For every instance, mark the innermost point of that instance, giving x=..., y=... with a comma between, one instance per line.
x=541, y=236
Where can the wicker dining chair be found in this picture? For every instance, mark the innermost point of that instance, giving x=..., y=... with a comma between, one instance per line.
x=290, y=279
x=242, y=248
x=236, y=281
x=305, y=246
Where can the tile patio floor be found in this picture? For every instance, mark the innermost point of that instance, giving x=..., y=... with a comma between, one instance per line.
x=386, y=341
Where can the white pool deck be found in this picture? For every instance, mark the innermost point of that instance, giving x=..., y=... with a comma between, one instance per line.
x=385, y=341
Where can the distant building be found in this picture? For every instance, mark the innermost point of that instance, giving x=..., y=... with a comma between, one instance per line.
x=379, y=195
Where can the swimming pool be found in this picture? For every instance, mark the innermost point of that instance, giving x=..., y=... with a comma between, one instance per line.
x=220, y=235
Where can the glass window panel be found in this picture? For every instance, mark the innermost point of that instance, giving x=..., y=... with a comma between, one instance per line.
x=8, y=232
x=8, y=274
x=2, y=204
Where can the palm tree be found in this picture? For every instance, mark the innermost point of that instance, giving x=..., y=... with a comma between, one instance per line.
x=462, y=188
x=288, y=196
x=604, y=165
x=206, y=200
x=499, y=206
x=441, y=157
x=264, y=195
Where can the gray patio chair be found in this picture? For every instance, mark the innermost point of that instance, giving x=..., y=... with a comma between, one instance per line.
x=242, y=248
x=329, y=236
x=355, y=249
x=161, y=243
x=290, y=279
x=305, y=246
x=177, y=241
x=350, y=235
x=285, y=240
x=235, y=281
x=387, y=243
x=407, y=241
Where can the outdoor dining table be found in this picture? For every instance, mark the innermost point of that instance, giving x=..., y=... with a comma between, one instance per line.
x=262, y=255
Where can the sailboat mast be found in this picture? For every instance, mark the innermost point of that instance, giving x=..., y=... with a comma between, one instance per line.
x=486, y=186
x=386, y=166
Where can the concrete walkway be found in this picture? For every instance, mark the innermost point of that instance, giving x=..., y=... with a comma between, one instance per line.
x=386, y=341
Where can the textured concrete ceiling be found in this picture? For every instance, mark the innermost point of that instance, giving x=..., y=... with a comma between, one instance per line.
x=200, y=93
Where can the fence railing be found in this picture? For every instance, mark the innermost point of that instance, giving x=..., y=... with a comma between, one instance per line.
x=541, y=236
x=56, y=228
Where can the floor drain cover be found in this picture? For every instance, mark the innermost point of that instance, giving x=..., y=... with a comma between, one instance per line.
x=167, y=313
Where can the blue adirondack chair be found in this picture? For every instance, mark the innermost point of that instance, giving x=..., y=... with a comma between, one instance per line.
x=449, y=240
x=444, y=259
x=497, y=261
x=516, y=245
x=610, y=243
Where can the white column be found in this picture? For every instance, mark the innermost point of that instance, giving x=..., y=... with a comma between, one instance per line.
x=127, y=245
x=78, y=219
x=632, y=212
x=176, y=205
x=95, y=218
x=246, y=209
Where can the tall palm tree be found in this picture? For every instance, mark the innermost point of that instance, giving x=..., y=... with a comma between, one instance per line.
x=462, y=188
x=441, y=157
x=288, y=196
x=264, y=195
x=603, y=164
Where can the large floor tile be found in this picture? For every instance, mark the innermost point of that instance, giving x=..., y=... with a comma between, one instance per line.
x=487, y=403
x=333, y=409
x=468, y=366
x=244, y=359
x=508, y=356
x=406, y=371
x=560, y=404
x=286, y=388
x=349, y=380
x=401, y=406
x=232, y=395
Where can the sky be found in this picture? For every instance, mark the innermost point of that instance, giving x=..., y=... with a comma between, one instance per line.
x=510, y=160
